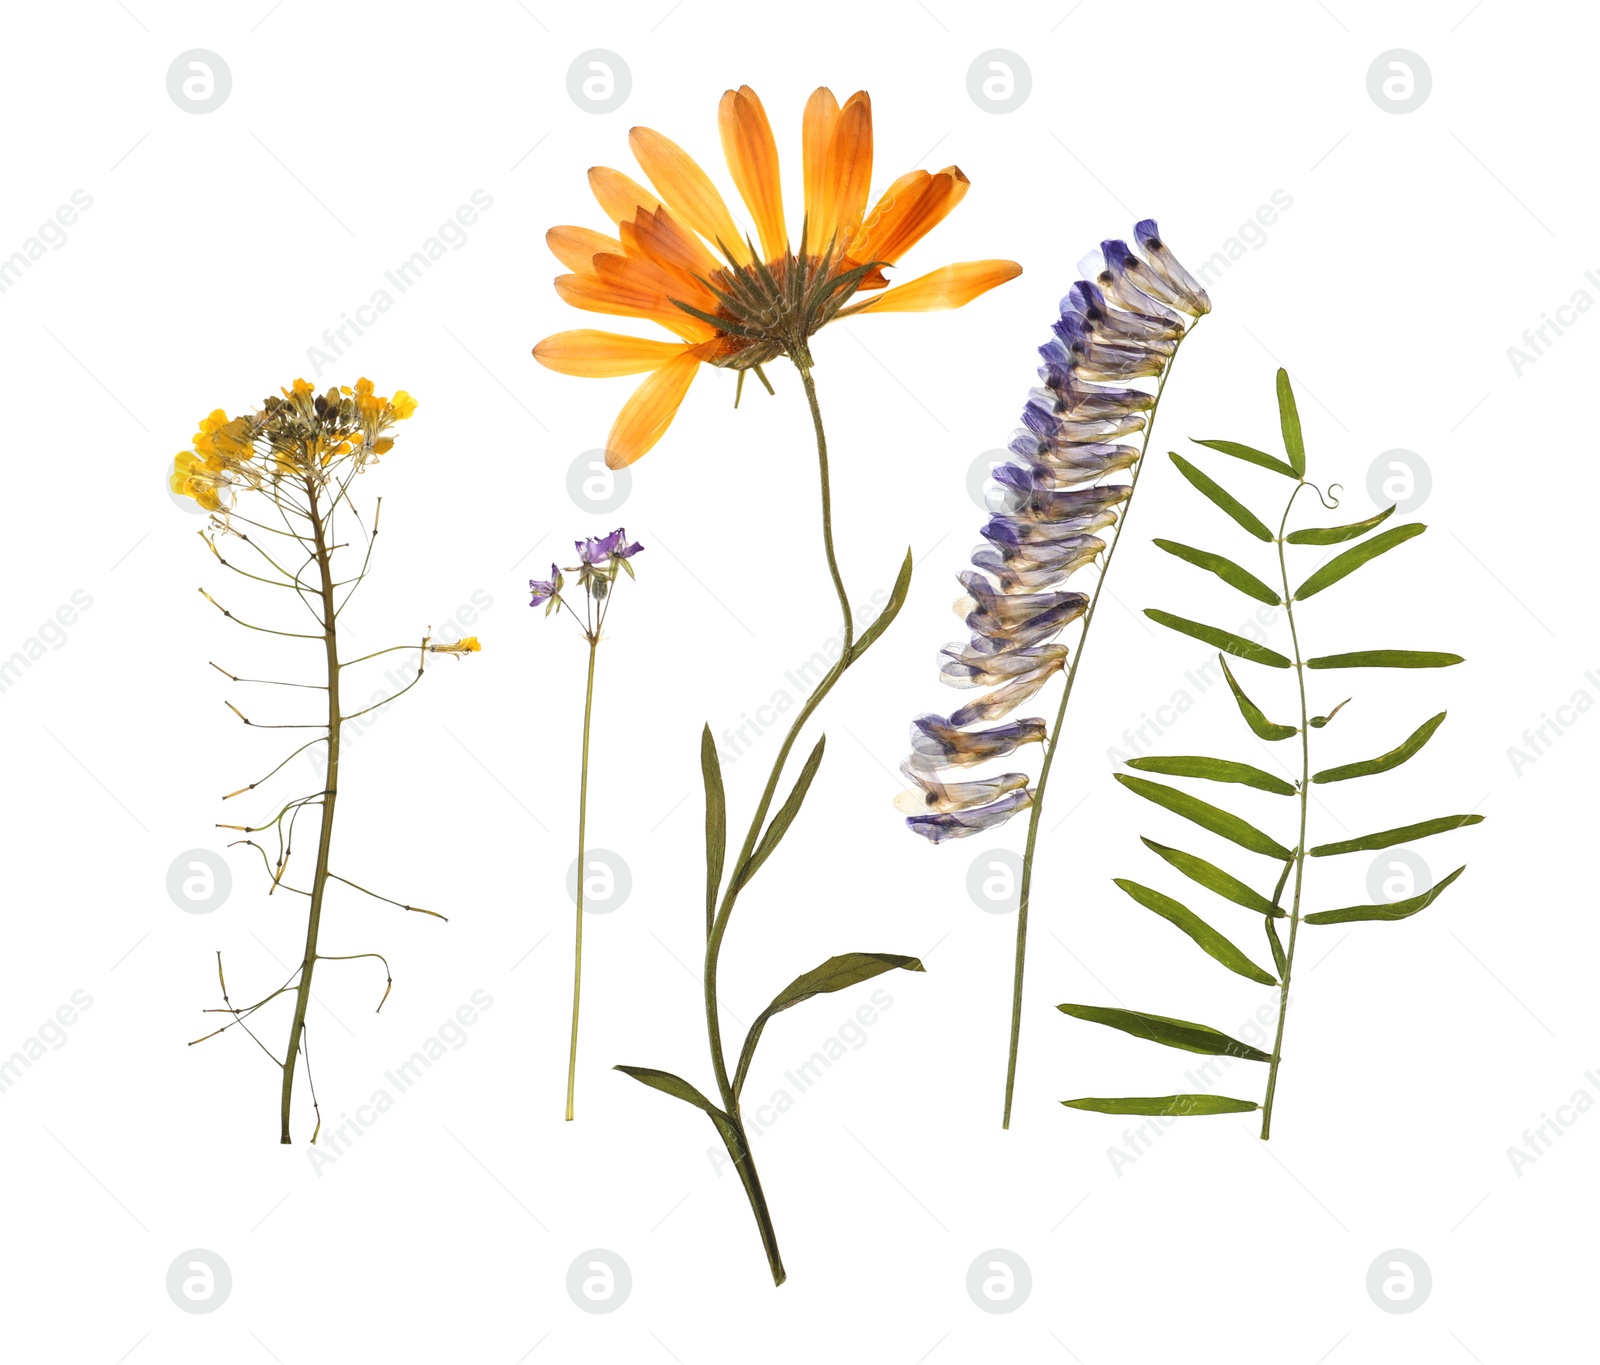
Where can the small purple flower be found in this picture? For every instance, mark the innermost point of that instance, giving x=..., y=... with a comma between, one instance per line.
x=601, y=550
x=548, y=593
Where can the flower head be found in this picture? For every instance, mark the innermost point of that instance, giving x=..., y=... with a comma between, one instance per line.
x=680, y=260
x=467, y=645
x=1122, y=323
x=547, y=594
x=296, y=436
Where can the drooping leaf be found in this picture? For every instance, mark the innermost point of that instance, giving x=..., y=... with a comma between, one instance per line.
x=1213, y=878
x=1157, y=1105
x=1219, y=946
x=1205, y=815
x=1383, y=762
x=1317, y=722
x=1225, y=640
x=716, y=820
x=1386, y=658
x=837, y=973
x=1253, y=716
x=1388, y=838
x=1251, y=455
x=891, y=609
x=1334, y=535
x=1158, y=1028
x=1221, y=497
x=1230, y=573
x=1357, y=555
x=780, y=823
x=1279, y=957
x=1215, y=770
x=1395, y=910
x=1294, y=443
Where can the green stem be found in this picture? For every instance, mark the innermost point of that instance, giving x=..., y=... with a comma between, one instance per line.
x=719, y=928
x=319, y=880
x=1036, y=812
x=1300, y=845
x=583, y=816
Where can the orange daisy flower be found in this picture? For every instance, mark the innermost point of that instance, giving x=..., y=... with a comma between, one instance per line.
x=681, y=260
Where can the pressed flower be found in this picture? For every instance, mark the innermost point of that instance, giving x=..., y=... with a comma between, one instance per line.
x=547, y=593
x=468, y=645
x=1121, y=324
x=679, y=260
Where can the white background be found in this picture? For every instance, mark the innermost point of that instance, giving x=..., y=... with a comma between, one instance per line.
x=1417, y=249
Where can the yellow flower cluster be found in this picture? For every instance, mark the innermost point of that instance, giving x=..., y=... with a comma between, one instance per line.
x=300, y=435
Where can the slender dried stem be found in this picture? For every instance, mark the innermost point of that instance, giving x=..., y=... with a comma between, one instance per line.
x=583, y=825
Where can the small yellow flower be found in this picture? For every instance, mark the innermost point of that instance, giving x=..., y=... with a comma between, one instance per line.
x=469, y=645
x=402, y=405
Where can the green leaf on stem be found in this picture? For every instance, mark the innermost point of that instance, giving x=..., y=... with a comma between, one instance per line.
x=1225, y=640
x=891, y=609
x=1219, y=946
x=1383, y=762
x=1160, y=1105
x=1390, y=837
x=1178, y=1033
x=716, y=820
x=1386, y=658
x=1353, y=558
x=1213, y=878
x=1221, y=497
x=1205, y=815
x=1252, y=456
x=780, y=823
x=1275, y=943
x=1294, y=441
x=836, y=974
x=1333, y=535
x=1216, y=770
x=1394, y=910
x=675, y=1086
x=1232, y=574
x=1259, y=725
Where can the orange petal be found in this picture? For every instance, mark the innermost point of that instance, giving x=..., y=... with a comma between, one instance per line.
x=638, y=273
x=816, y=136
x=576, y=247
x=752, y=156
x=950, y=286
x=620, y=196
x=688, y=191
x=909, y=209
x=848, y=171
x=656, y=237
x=630, y=300
x=604, y=355
x=646, y=416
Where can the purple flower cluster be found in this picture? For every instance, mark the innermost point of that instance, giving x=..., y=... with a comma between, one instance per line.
x=1123, y=322
x=599, y=558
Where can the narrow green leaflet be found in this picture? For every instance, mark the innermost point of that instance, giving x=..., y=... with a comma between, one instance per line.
x=1217, y=945
x=1383, y=762
x=1251, y=455
x=1176, y=1105
x=1357, y=555
x=1221, y=497
x=1390, y=837
x=1178, y=1033
x=1294, y=443
x=1275, y=943
x=1253, y=716
x=716, y=820
x=1205, y=815
x=1215, y=770
x=837, y=973
x=891, y=609
x=1395, y=910
x=1333, y=535
x=1225, y=569
x=1213, y=878
x=1225, y=640
x=780, y=823
x=1386, y=658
